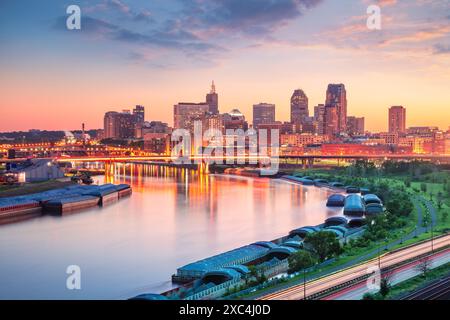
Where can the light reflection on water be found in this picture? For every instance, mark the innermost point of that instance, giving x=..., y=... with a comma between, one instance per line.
x=174, y=217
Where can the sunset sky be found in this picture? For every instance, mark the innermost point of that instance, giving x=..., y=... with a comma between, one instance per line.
x=160, y=52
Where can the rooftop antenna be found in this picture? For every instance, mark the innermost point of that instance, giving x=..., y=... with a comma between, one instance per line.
x=213, y=87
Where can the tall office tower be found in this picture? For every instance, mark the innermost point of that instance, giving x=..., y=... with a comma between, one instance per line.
x=319, y=118
x=355, y=125
x=139, y=114
x=397, y=119
x=185, y=114
x=331, y=120
x=109, y=125
x=119, y=125
x=299, y=107
x=263, y=113
x=337, y=97
x=212, y=100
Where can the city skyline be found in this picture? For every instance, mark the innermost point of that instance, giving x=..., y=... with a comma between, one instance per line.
x=115, y=60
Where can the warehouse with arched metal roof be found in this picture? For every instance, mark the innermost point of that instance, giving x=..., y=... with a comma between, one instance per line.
x=354, y=205
x=371, y=198
x=281, y=253
x=357, y=222
x=336, y=221
x=340, y=231
x=336, y=200
x=303, y=232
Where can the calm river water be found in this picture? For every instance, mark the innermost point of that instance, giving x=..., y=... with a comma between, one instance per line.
x=134, y=246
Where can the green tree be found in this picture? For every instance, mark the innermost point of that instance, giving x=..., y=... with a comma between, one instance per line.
x=300, y=260
x=385, y=287
x=440, y=198
x=445, y=215
x=324, y=244
x=423, y=187
x=368, y=296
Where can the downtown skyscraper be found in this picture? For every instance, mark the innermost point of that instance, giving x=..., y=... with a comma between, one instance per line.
x=185, y=114
x=397, y=119
x=299, y=107
x=337, y=98
x=212, y=100
x=263, y=113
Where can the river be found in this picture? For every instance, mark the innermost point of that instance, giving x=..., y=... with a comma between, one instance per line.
x=174, y=217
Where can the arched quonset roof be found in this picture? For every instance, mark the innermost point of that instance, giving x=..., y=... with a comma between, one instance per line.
x=240, y=268
x=150, y=296
x=354, y=205
x=371, y=198
x=307, y=182
x=304, y=231
x=356, y=222
x=374, y=208
x=352, y=189
x=223, y=272
x=265, y=244
x=341, y=229
x=283, y=249
x=336, y=200
x=280, y=253
x=236, y=256
x=293, y=244
x=301, y=180
x=336, y=221
x=336, y=184
x=338, y=233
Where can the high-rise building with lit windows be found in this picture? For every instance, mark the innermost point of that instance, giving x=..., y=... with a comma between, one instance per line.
x=263, y=113
x=331, y=121
x=185, y=115
x=299, y=107
x=355, y=125
x=319, y=118
x=337, y=97
x=119, y=125
x=212, y=100
x=397, y=119
x=139, y=114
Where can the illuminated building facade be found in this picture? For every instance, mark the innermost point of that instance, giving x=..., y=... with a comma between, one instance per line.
x=299, y=107
x=397, y=119
x=337, y=97
x=186, y=114
x=263, y=113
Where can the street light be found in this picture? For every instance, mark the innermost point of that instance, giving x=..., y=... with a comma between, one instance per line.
x=304, y=283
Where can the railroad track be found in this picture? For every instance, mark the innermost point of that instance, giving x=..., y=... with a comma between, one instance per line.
x=325, y=285
x=434, y=291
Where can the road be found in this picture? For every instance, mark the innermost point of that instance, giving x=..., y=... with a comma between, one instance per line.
x=296, y=292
